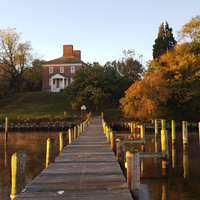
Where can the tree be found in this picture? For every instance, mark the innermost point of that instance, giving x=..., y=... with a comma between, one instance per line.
x=33, y=76
x=190, y=33
x=15, y=58
x=164, y=42
x=145, y=99
x=95, y=85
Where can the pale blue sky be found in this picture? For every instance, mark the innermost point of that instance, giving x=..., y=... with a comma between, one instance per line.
x=101, y=29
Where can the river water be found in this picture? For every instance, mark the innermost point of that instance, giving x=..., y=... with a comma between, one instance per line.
x=181, y=180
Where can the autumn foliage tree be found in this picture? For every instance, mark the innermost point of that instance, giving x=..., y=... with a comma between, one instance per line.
x=171, y=87
x=146, y=98
x=15, y=58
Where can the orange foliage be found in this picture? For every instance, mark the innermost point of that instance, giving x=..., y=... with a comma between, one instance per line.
x=144, y=97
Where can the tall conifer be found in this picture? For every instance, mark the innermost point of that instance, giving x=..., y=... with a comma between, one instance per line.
x=165, y=41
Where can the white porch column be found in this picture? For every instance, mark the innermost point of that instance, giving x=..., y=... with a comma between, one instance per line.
x=51, y=84
x=63, y=82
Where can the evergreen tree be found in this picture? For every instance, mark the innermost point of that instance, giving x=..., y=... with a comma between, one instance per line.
x=165, y=41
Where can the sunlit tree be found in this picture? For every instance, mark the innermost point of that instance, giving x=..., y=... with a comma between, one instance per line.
x=15, y=58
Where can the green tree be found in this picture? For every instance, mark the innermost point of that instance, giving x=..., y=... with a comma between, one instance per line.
x=15, y=58
x=33, y=76
x=164, y=42
x=95, y=85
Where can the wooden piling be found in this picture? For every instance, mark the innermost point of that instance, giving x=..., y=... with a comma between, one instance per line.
x=133, y=173
x=142, y=132
x=70, y=135
x=120, y=151
x=18, y=173
x=164, y=143
x=156, y=127
x=132, y=128
x=50, y=152
x=173, y=131
x=185, y=132
x=6, y=125
x=62, y=138
x=78, y=130
x=163, y=123
x=199, y=132
x=75, y=132
x=112, y=140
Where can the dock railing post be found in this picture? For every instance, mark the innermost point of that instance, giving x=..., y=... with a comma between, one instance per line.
x=70, y=135
x=18, y=173
x=75, y=132
x=133, y=173
x=112, y=140
x=120, y=151
x=62, y=138
x=50, y=153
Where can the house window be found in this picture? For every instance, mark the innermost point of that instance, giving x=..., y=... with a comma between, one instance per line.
x=72, y=80
x=50, y=70
x=72, y=69
x=61, y=69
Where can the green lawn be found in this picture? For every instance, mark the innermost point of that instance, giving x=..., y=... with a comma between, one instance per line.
x=36, y=104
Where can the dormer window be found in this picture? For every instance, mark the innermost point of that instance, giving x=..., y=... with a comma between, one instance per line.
x=72, y=69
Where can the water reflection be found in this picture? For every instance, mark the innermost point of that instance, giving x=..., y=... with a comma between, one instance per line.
x=178, y=178
x=34, y=144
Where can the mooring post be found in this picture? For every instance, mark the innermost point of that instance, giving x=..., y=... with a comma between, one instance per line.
x=133, y=173
x=199, y=132
x=18, y=173
x=70, y=135
x=156, y=127
x=120, y=151
x=75, y=132
x=132, y=128
x=185, y=132
x=50, y=153
x=163, y=123
x=112, y=140
x=62, y=138
x=108, y=134
x=78, y=130
x=173, y=132
x=142, y=132
x=6, y=128
x=164, y=143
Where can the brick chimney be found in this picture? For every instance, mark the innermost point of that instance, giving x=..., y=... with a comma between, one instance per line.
x=77, y=54
x=67, y=50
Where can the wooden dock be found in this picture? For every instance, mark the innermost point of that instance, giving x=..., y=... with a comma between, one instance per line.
x=86, y=169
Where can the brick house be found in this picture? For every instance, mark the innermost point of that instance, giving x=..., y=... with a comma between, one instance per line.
x=59, y=73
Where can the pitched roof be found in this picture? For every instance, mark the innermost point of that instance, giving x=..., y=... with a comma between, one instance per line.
x=64, y=60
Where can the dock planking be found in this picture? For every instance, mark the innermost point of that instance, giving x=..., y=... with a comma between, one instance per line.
x=86, y=169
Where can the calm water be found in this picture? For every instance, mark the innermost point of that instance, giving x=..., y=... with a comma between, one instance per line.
x=182, y=178
x=34, y=144
x=181, y=181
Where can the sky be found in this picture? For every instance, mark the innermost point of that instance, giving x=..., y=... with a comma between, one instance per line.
x=101, y=29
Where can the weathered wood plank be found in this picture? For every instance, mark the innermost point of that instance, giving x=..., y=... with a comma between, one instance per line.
x=86, y=169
